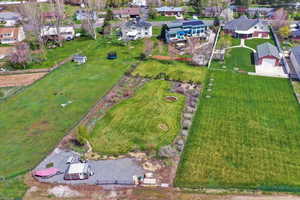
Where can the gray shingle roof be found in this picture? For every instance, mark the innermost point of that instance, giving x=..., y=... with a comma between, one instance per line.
x=169, y=9
x=241, y=24
x=296, y=52
x=137, y=23
x=267, y=49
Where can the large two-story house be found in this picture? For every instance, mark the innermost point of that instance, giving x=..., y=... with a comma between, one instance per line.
x=170, y=11
x=51, y=32
x=181, y=30
x=9, y=18
x=11, y=35
x=247, y=28
x=136, y=29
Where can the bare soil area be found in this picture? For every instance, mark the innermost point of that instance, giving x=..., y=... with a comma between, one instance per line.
x=20, y=79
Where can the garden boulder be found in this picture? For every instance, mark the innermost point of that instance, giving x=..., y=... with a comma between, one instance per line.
x=167, y=151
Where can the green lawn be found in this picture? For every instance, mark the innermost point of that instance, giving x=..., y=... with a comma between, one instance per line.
x=58, y=54
x=241, y=58
x=174, y=69
x=253, y=43
x=40, y=122
x=13, y=188
x=162, y=18
x=296, y=85
x=135, y=123
x=245, y=136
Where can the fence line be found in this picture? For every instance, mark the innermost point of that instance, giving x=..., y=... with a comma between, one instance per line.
x=215, y=44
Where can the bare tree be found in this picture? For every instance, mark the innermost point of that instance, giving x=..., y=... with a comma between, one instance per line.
x=91, y=7
x=280, y=18
x=192, y=45
x=148, y=47
x=59, y=17
x=34, y=22
x=21, y=57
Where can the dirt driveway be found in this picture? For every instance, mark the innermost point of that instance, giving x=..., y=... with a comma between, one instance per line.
x=20, y=79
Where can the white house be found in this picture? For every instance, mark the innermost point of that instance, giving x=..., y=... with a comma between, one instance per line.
x=66, y=32
x=140, y=3
x=135, y=29
x=247, y=28
x=295, y=59
x=11, y=35
x=9, y=18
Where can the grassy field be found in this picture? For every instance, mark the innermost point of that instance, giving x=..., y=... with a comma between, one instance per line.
x=162, y=18
x=245, y=136
x=135, y=123
x=57, y=55
x=12, y=188
x=28, y=135
x=253, y=43
x=174, y=69
x=240, y=58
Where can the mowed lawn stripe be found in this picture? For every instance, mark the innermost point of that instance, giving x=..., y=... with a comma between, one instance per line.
x=246, y=136
x=33, y=122
x=136, y=122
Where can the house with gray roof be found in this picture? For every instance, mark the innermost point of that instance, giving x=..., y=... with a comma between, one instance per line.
x=136, y=29
x=170, y=11
x=10, y=18
x=295, y=59
x=247, y=28
x=181, y=29
x=268, y=61
x=267, y=55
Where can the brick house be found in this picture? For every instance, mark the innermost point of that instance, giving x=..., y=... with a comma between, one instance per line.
x=247, y=28
x=11, y=35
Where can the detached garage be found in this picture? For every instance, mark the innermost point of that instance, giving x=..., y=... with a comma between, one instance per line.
x=267, y=60
x=267, y=55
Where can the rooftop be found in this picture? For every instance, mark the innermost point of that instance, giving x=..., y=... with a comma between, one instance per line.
x=77, y=168
x=296, y=52
x=267, y=49
x=242, y=23
x=169, y=9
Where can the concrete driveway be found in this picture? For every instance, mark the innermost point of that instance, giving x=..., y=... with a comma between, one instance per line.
x=121, y=170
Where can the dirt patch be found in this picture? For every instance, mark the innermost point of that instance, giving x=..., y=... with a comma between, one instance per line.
x=38, y=128
x=20, y=79
x=171, y=58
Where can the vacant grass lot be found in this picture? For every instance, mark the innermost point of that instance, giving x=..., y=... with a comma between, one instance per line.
x=174, y=69
x=240, y=58
x=58, y=54
x=245, y=136
x=33, y=121
x=136, y=123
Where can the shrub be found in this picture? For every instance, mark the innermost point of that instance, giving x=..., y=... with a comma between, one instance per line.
x=82, y=134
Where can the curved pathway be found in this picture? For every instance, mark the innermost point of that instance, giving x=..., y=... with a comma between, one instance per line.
x=242, y=45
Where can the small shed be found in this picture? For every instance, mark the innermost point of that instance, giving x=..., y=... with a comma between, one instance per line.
x=79, y=59
x=78, y=171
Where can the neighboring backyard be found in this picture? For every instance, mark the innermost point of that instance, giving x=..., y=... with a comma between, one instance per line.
x=236, y=58
x=145, y=122
x=56, y=55
x=28, y=135
x=246, y=135
x=175, y=70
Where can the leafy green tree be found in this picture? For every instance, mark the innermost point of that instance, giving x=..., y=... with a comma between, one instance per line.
x=82, y=134
x=198, y=5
